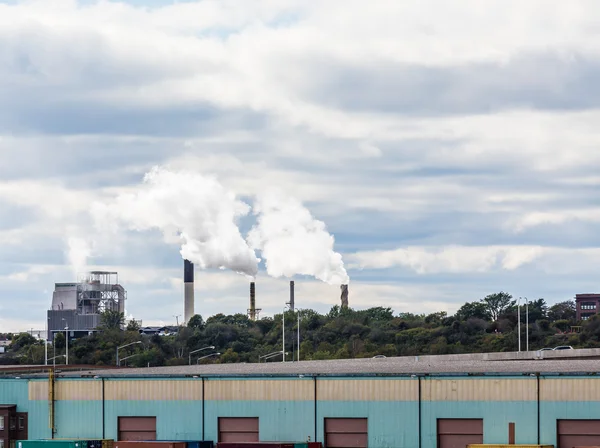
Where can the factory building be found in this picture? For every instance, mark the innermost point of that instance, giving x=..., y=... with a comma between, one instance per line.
x=76, y=307
x=586, y=305
x=374, y=403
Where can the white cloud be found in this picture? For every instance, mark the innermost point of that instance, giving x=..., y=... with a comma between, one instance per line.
x=454, y=259
x=397, y=127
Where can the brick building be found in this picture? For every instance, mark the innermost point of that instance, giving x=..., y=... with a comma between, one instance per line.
x=586, y=305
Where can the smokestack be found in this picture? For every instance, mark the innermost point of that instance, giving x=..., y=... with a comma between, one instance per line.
x=252, y=301
x=291, y=304
x=188, y=290
x=253, y=311
x=344, y=296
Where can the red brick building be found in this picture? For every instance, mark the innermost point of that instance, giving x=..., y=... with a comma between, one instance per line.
x=586, y=305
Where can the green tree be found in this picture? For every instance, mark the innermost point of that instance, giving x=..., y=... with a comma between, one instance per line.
x=196, y=322
x=478, y=310
x=111, y=320
x=497, y=303
x=133, y=325
x=562, y=311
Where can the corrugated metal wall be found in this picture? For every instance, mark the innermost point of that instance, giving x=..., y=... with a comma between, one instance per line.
x=397, y=409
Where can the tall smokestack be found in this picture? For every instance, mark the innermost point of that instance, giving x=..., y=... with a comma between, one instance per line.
x=252, y=310
x=344, y=297
x=188, y=290
x=291, y=304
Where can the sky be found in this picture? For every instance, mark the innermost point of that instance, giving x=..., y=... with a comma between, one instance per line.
x=451, y=148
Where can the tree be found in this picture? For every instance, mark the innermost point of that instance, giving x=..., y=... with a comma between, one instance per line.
x=133, y=325
x=562, y=311
x=497, y=303
x=538, y=310
x=111, y=320
x=196, y=322
x=23, y=340
x=477, y=310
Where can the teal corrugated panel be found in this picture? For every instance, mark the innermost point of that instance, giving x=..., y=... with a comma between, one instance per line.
x=175, y=420
x=14, y=391
x=78, y=419
x=279, y=421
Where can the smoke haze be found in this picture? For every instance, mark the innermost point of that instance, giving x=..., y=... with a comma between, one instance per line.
x=191, y=210
x=78, y=252
x=293, y=242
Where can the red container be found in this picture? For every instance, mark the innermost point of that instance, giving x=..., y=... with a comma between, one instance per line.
x=254, y=445
x=149, y=444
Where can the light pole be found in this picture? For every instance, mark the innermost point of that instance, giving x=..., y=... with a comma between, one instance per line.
x=526, y=320
x=123, y=346
x=67, y=340
x=127, y=357
x=212, y=347
x=270, y=355
x=207, y=356
x=46, y=344
x=53, y=359
x=298, y=336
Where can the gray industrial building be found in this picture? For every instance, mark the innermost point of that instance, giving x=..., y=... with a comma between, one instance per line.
x=76, y=307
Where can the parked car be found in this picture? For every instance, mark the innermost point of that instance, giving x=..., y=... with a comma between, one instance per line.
x=379, y=356
x=563, y=347
x=546, y=349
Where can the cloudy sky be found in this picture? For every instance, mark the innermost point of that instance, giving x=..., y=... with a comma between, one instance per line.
x=452, y=148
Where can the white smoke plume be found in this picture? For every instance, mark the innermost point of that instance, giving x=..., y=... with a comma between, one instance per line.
x=78, y=251
x=293, y=242
x=191, y=210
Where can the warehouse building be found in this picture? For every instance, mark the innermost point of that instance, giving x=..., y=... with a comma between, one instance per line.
x=375, y=403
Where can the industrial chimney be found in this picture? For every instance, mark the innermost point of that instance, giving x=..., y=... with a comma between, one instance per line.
x=188, y=290
x=252, y=311
x=291, y=302
x=344, y=296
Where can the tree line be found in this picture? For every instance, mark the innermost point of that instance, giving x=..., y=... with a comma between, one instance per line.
x=486, y=325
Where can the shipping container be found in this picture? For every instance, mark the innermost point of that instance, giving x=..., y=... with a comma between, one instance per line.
x=193, y=443
x=96, y=443
x=255, y=445
x=51, y=443
x=149, y=444
x=506, y=445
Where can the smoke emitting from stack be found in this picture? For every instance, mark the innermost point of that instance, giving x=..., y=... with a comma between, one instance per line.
x=188, y=290
x=197, y=213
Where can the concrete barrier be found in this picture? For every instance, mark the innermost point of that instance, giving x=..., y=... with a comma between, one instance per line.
x=584, y=353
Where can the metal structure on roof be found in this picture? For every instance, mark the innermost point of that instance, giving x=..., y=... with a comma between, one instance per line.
x=78, y=306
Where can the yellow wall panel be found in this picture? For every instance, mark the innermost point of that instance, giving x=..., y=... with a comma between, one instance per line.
x=284, y=390
x=153, y=390
x=479, y=390
x=570, y=389
x=38, y=390
x=368, y=390
x=78, y=390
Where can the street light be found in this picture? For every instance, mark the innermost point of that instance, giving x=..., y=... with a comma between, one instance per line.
x=123, y=346
x=271, y=355
x=212, y=347
x=298, y=356
x=127, y=357
x=67, y=338
x=54, y=360
x=519, y=320
x=207, y=356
